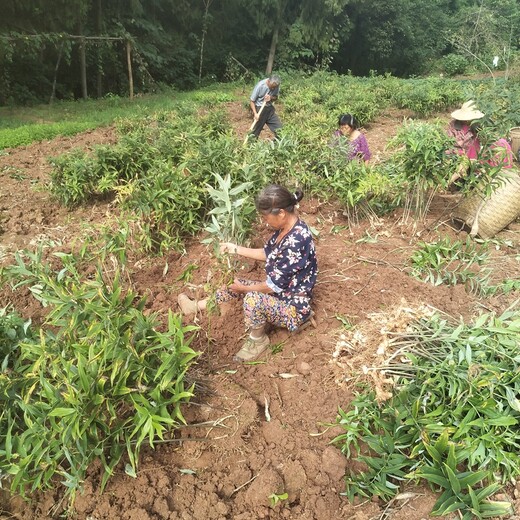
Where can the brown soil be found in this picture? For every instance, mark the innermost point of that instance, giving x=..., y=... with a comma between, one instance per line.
x=260, y=429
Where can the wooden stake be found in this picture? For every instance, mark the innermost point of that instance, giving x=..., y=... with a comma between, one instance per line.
x=129, y=63
x=83, y=67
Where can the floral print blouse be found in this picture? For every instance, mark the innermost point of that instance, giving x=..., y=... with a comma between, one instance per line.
x=291, y=266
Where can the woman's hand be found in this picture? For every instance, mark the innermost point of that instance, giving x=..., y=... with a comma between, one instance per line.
x=228, y=247
x=238, y=287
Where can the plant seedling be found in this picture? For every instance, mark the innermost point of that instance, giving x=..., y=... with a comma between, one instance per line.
x=187, y=274
x=368, y=238
x=344, y=320
x=276, y=348
x=274, y=498
x=337, y=228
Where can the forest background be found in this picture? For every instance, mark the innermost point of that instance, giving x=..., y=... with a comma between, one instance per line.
x=70, y=49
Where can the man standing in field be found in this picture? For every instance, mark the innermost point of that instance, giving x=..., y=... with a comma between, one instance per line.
x=261, y=101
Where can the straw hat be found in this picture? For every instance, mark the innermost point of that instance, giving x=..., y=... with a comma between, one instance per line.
x=468, y=112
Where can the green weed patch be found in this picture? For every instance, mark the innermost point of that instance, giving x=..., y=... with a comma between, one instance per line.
x=451, y=263
x=20, y=136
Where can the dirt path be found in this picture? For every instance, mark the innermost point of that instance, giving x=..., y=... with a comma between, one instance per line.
x=262, y=429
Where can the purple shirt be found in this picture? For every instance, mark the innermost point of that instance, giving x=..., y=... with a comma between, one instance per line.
x=358, y=147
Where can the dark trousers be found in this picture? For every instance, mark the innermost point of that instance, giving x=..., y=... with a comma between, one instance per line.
x=268, y=117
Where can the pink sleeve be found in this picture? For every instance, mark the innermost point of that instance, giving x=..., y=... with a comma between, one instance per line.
x=502, y=154
x=473, y=148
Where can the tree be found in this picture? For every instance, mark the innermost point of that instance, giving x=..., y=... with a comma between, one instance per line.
x=485, y=29
x=397, y=36
x=313, y=20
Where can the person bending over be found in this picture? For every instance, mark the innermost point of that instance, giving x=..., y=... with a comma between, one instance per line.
x=265, y=92
x=464, y=128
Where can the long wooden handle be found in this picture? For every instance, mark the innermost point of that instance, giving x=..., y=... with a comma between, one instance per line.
x=255, y=120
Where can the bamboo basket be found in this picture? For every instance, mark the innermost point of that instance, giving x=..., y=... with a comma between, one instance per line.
x=514, y=135
x=488, y=216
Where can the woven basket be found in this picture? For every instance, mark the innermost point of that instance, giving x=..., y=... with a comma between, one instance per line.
x=487, y=217
x=514, y=134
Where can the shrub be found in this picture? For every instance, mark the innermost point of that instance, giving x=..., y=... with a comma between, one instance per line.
x=454, y=64
x=426, y=96
x=98, y=381
x=501, y=106
x=165, y=207
x=422, y=161
x=73, y=178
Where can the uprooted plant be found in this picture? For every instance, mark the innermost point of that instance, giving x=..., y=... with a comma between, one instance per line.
x=451, y=262
x=231, y=218
x=425, y=166
x=452, y=419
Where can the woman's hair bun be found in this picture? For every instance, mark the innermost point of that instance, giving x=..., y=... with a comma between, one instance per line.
x=298, y=195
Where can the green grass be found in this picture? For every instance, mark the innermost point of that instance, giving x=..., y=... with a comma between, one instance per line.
x=24, y=125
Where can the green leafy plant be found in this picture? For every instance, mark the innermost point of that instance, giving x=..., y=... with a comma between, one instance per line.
x=459, y=493
x=501, y=104
x=428, y=95
x=276, y=348
x=487, y=174
x=110, y=241
x=165, y=207
x=451, y=262
x=451, y=420
x=420, y=157
x=454, y=64
x=98, y=381
x=505, y=287
x=275, y=498
x=231, y=215
x=364, y=190
x=187, y=274
x=345, y=321
x=73, y=178
x=233, y=210
x=13, y=330
x=231, y=220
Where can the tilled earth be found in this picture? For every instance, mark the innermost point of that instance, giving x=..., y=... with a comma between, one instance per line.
x=262, y=429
